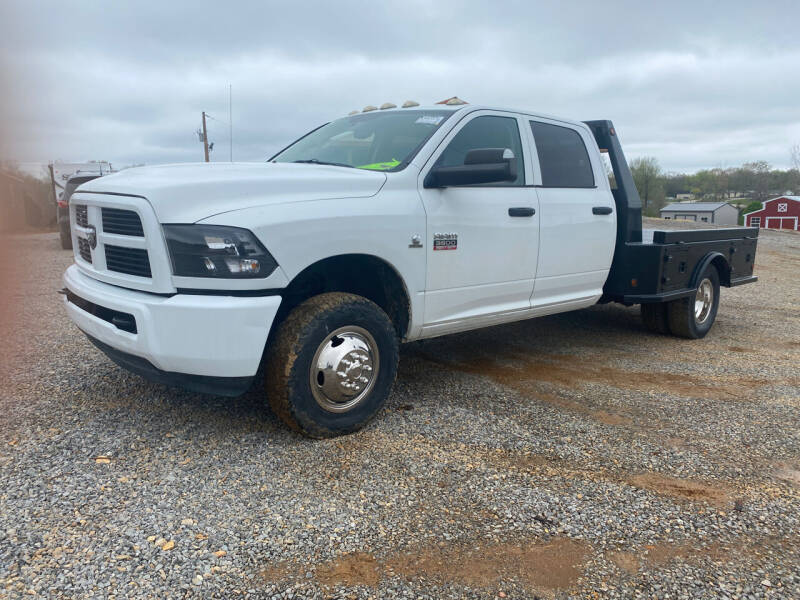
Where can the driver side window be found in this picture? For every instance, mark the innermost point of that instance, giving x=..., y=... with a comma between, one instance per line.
x=486, y=132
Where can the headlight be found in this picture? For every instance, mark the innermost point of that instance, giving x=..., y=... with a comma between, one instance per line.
x=217, y=251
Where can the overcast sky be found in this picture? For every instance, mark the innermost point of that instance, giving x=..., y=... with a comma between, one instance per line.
x=695, y=84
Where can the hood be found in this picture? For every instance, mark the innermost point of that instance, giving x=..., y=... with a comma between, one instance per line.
x=186, y=193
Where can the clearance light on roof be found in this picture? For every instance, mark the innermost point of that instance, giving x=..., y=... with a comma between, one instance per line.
x=454, y=101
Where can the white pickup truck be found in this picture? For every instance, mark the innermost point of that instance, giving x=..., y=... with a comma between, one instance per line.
x=380, y=227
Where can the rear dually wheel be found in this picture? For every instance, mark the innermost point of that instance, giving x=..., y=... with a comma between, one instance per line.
x=692, y=317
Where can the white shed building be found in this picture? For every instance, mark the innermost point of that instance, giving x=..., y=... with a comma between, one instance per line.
x=720, y=213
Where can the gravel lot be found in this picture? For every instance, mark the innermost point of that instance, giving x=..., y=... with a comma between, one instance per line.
x=570, y=456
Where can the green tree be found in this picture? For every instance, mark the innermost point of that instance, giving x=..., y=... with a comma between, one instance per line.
x=649, y=182
x=761, y=177
x=753, y=206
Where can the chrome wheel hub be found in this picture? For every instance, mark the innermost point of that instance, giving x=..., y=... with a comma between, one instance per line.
x=344, y=369
x=703, y=300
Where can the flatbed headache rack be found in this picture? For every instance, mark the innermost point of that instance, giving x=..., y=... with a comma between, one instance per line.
x=665, y=265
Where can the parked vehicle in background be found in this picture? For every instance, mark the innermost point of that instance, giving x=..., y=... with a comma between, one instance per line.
x=392, y=225
x=64, y=228
x=60, y=175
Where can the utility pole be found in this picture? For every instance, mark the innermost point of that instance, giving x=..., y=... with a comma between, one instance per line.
x=205, y=136
x=230, y=117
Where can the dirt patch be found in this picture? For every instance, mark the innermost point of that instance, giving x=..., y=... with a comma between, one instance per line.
x=684, y=489
x=626, y=561
x=789, y=473
x=277, y=573
x=544, y=567
x=358, y=568
x=525, y=372
x=608, y=418
x=660, y=554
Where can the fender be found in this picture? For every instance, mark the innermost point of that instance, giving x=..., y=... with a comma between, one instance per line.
x=719, y=261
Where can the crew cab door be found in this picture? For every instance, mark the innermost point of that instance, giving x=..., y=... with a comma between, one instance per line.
x=482, y=240
x=577, y=217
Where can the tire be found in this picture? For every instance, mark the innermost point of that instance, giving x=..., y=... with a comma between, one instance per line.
x=338, y=330
x=655, y=317
x=687, y=317
x=66, y=236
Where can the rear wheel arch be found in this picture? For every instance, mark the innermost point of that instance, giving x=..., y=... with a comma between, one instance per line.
x=720, y=262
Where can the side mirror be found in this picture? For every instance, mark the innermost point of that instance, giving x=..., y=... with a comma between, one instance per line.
x=482, y=165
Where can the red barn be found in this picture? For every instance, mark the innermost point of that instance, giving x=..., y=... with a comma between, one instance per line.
x=782, y=212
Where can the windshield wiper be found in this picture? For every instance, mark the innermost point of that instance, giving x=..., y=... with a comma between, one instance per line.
x=316, y=161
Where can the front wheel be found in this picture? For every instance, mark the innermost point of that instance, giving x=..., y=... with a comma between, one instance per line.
x=693, y=317
x=332, y=364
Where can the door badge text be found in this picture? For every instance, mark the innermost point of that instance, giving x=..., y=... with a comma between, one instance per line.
x=445, y=241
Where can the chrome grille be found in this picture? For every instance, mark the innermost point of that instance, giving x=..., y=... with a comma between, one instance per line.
x=81, y=215
x=131, y=261
x=122, y=222
x=83, y=249
x=129, y=250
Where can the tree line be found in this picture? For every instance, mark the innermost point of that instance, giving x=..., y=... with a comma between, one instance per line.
x=25, y=201
x=745, y=186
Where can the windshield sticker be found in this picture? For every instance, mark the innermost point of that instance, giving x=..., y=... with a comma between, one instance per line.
x=381, y=166
x=430, y=119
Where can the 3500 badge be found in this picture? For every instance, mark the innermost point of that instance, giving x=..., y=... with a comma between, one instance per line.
x=445, y=241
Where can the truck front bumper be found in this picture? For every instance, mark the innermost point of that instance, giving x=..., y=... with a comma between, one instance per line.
x=205, y=343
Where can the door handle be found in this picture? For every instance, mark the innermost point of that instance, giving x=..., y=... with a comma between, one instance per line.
x=521, y=211
x=601, y=210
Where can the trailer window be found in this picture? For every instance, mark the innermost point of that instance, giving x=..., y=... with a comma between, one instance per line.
x=563, y=158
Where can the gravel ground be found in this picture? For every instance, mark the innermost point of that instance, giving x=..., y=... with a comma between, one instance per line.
x=569, y=456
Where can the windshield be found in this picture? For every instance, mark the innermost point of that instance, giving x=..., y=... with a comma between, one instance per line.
x=379, y=141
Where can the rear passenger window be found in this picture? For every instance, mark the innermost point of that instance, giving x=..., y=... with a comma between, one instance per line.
x=563, y=158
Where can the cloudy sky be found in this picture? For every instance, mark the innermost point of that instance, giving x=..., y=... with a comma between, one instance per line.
x=695, y=84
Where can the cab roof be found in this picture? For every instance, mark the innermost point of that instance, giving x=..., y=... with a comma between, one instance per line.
x=467, y=108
